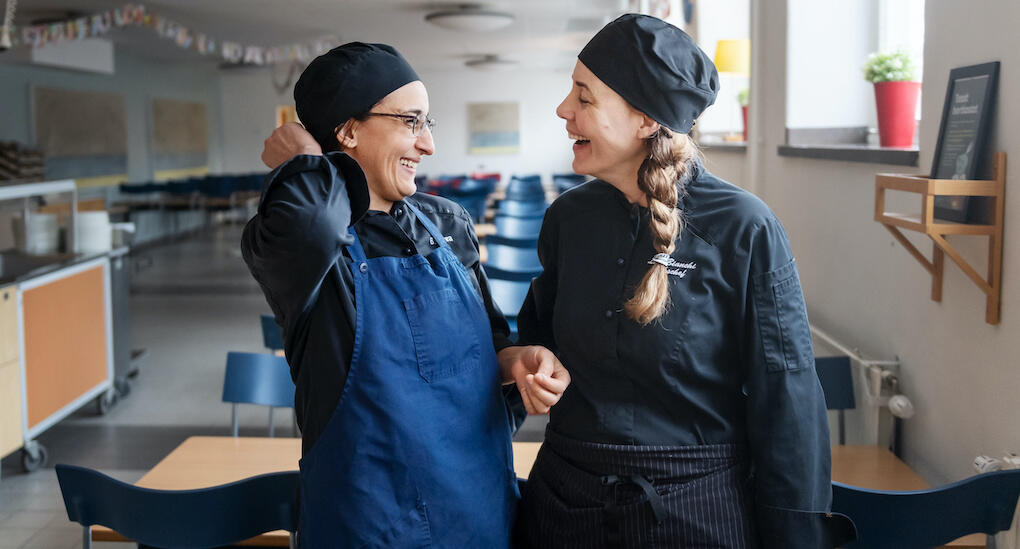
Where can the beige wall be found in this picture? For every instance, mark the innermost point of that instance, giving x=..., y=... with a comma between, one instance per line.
x=963, y=375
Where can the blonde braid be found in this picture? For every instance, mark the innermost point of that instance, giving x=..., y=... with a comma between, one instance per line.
x=660, y=178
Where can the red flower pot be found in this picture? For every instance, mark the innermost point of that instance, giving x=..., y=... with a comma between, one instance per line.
x=897, y=103
x=743, y=110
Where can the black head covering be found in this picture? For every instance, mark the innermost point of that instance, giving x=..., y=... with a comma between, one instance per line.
x=655, y=67
x=344, y=82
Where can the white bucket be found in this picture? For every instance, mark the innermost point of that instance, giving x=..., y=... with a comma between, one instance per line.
x=95, y=235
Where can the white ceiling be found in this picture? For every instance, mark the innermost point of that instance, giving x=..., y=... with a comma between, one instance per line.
x=546, y=33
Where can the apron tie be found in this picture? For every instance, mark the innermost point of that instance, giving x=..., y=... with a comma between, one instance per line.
x=653, y=498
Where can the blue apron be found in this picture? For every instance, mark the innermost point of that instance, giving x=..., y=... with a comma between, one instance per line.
x=418, y=452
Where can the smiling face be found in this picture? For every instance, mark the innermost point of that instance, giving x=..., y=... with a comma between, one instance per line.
x=609, y=135
x=386, y=149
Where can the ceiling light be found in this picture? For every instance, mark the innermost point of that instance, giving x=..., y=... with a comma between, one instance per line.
x=472, y=20
x=490, y=63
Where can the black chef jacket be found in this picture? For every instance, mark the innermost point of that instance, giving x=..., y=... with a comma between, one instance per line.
x=730, y=361
x=294, y=248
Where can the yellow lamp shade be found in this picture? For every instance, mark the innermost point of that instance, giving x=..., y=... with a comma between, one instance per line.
x=733, y=56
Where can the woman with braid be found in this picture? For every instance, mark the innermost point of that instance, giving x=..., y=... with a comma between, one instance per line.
x=694, y=417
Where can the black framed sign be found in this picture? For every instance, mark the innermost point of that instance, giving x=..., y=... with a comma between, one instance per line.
x=963, y=132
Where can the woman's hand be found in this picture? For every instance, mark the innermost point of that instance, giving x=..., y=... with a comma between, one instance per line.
x=286, y=142
x=539, y=375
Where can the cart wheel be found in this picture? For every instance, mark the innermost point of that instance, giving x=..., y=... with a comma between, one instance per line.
x=106, y=401
x=123, y=387
x=30, y=462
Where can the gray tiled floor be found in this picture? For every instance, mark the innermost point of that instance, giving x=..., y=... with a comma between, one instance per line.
x=192, y=302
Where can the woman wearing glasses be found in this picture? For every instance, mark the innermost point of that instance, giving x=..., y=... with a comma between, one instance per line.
x=389, y=328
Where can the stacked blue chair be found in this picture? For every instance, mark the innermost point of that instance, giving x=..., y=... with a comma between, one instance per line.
x=518, y=227
x=566, y=181
x=208, y=517
x=470, y=193
x=525, y=188
x=929, y=518
x=515, y=208
x=509, y=289
x=512, y=254
x=256, y=378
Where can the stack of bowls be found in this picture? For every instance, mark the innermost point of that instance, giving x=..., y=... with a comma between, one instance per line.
x=39, y=234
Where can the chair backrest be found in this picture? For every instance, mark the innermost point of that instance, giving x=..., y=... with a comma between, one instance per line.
x=256, y=378
x=208, y=517
x=526, y=188
x=929, y=518
x=272, y=335
x=511, y=254
x=837, y=382
x=509, y=289
x=517, y=208
x=518, y=227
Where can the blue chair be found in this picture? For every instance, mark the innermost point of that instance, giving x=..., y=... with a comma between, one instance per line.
x=525, y=188
x=472, y=194
x=517, y=208
x=513, y=255
x=272, y=336
x=929, y=518
x=566, y=181
x=256, y=378
x=518, y=227
x=509, y=290
x=207, y=517
x=838, y=386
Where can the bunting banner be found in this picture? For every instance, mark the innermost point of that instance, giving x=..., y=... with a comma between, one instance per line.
x=135, y=15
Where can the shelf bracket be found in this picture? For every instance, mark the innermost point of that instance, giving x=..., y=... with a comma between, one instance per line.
x=938, y=230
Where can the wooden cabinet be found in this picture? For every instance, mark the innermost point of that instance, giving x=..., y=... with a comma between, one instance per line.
x=10, y=407
x=10, y=373
x=8, y=324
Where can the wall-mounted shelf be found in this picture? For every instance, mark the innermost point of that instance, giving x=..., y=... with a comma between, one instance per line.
x=937, y=229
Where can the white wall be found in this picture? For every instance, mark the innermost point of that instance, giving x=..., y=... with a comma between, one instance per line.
x=862, y=287
x=138, y=80
x=249, y=103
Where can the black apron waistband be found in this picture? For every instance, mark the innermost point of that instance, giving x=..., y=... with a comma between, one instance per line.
x=654, y=462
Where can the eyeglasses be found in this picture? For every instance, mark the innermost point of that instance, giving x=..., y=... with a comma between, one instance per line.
x=415, y=122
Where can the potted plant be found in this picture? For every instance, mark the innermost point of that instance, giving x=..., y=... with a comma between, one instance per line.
x=744, y=98
x=896, y=91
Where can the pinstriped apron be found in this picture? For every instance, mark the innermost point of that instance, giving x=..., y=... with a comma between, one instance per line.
x=592, y=495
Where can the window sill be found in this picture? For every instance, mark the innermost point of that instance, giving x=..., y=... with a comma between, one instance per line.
x=853, y=153
x=724, y=146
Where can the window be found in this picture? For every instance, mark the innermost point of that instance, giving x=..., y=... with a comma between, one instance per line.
x=717, y=20
x=827, y=100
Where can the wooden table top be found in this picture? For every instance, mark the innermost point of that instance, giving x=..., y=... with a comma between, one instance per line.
x=200, y=462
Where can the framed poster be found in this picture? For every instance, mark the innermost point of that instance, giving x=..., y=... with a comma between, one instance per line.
x=180, y=145
x=494, y=128
x=963, y=132
x=81, y=133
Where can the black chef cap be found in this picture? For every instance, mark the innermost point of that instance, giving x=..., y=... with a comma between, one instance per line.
x=344, y=82
x=655, y=67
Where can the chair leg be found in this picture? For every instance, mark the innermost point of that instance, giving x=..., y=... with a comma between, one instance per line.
x=86, y=537
x=292, y=539
x=272, y=427
x=233, y=414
